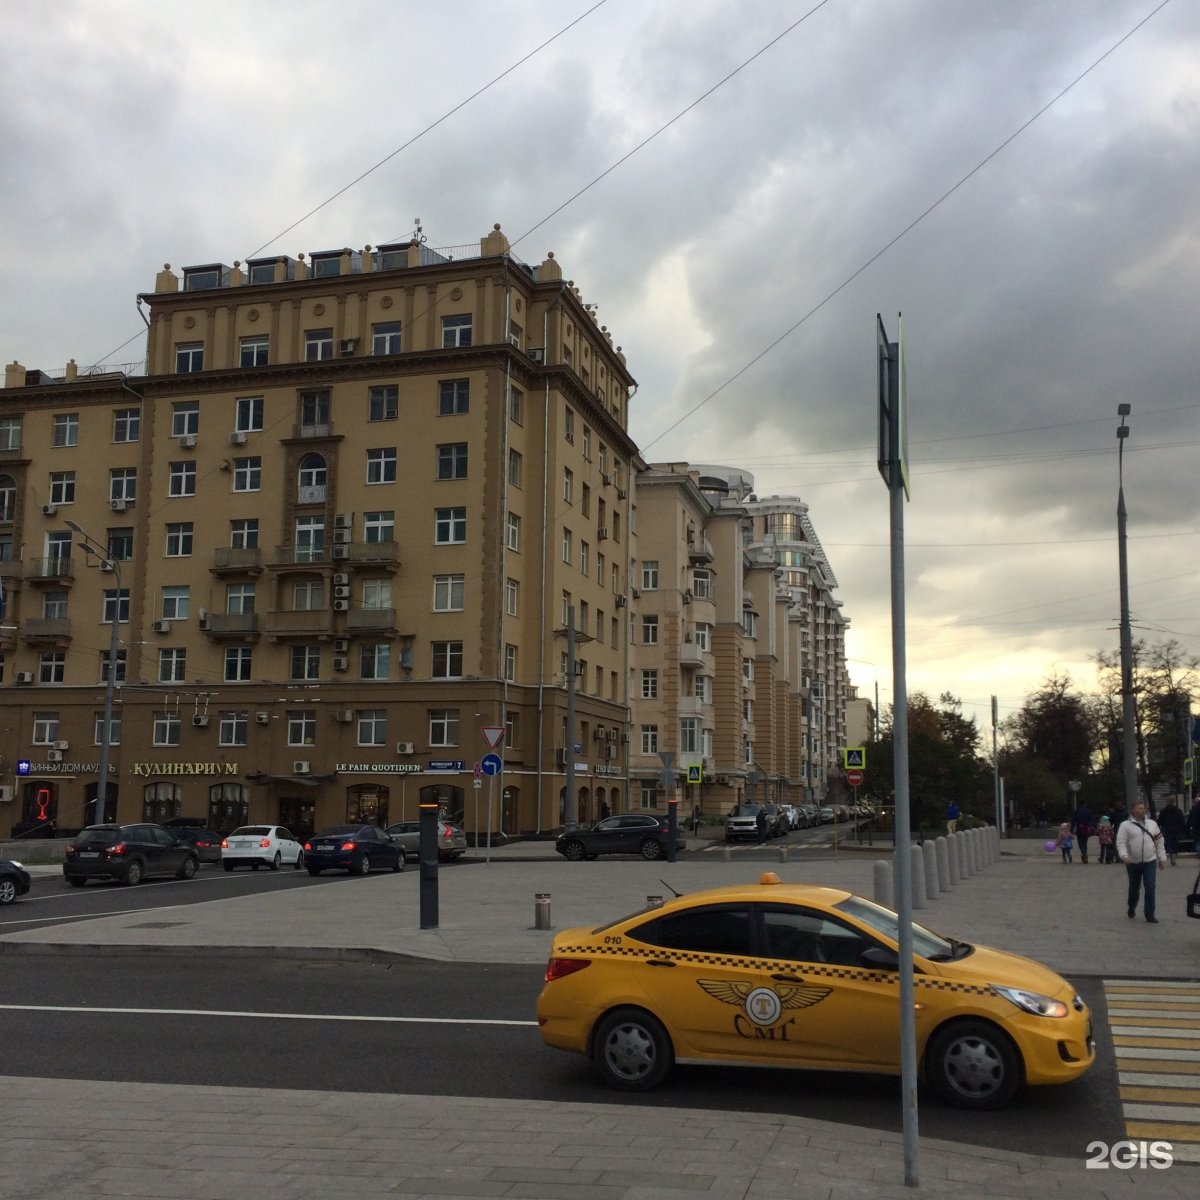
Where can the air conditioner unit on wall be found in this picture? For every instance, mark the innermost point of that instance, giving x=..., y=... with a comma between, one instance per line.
x=622, y=601
x=341, y=663
x=188, y=441
x=340, y=579
x=161, y=626
x=24, y=676
x=538, y=354
x=341, y=535
x=341, y=605
x=48, y=510
x=341, y=645
x=345, y=716
x=237, y=438
x=340, y=550
x=301, y=766
x=118, y=505
x=263, y=718
x=404, y=748
x=343, y=520
x=348, y=345
x=200, y=720
x=54, y=756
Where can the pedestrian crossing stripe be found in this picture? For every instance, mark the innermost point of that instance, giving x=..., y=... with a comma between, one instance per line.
x=1155, y=1027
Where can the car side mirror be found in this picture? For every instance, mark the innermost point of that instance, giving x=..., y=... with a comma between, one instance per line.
x=880, y=958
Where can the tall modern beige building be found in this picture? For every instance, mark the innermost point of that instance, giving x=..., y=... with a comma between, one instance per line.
x=738, y=671
x=341, y=513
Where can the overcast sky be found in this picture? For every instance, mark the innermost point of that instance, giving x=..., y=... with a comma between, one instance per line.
x=1056, y=282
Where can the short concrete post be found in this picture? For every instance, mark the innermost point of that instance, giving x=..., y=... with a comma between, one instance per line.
x=943, y=864
x=964, y=863
x=917, y=860
x=727, y=854
x=883, y=883
x=541, y=910
x=973, y=846
x=932, y=890
x=783, y=853
x=952, y=858
x=995, y=844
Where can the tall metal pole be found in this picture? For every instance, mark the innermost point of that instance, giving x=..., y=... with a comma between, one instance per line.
x=106, y=562
x=1128, y=709
x=996, y=768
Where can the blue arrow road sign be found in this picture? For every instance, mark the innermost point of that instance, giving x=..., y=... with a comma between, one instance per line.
x=491, y=764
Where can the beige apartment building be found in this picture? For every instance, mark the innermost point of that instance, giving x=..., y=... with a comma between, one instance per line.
x=338, y=517
x=737, y=656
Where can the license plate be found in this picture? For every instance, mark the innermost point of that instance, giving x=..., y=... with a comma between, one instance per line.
x=325, y=846
x=89, y=854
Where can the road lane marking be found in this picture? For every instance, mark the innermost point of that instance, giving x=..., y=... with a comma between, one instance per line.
x=260, y=1016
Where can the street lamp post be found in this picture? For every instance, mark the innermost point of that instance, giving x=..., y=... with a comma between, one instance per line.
x=1128, y=713
x=107, y=562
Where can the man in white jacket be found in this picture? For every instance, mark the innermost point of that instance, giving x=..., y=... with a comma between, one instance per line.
x=1141, y=848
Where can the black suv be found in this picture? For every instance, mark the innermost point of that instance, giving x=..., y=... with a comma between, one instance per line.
x=128, y=853
x=629, y=833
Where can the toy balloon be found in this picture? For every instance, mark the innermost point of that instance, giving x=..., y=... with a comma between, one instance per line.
x=1050, y=847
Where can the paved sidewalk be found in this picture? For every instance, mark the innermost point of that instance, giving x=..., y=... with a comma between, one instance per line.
x=157, y=1140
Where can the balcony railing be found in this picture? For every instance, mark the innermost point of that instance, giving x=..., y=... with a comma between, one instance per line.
x=237, y=558
x=312, y=494
x=299, y=622
x=56, y=628
x=58, y=567
x=367, y=552
x=317, y=429
x=220, y=624
x=690, y=655
x=370, y=619
x=300, y=556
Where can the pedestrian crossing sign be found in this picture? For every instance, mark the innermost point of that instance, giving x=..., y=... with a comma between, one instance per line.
x=695, y=773
x=855, y=756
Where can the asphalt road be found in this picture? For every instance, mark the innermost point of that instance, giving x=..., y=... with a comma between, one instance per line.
x=429, y=1029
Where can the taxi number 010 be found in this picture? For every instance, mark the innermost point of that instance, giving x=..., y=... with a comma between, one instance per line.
x=612, y=941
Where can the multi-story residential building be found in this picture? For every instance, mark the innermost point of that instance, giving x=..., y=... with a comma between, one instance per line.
x=737, y=659
x=339, y=514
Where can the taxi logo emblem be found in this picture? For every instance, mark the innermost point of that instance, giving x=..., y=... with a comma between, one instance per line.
x=762, y=1005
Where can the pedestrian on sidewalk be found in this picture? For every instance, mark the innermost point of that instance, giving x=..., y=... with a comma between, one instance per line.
x=1140, y=847
x=953, y=812
x=1082, y=828
x=1172, y=823
x=1065, y=842
x=1193, y=825
x=1106, y=835
x=760, y=823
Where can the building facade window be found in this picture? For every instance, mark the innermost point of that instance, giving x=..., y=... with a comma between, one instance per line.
x=179, y=539
x=375, y=660
x=189, y=358
x=449, y=593
x=372, y=727
x=243, y=533
x=385, y=338
x=233, y=727
x=318, y=345
x=381, y=465
x=181, y=479
x=512, y=532
x=650, y=576
x=450, y=526
x=122, y=485
x=510, y=662
x=650, y=631
x=383, y=402
x=456, y=331
x=239, y=598
x=512, y=597
x=379, y=527
x=115, y=606
x=650, y=683
x=255, y=351
x=516, y=406
x=127, y=425
x=443, y=727
x=305, y=662
x=649, y=738
x=454, y=397
x=166, y=728
x=247, y=474
x=452, y=461
x=514, y=468
x=176, y=602
x=447, y=660
x=302, y=727
x=52, y=667
x=65, y=430
x=172, y=664
x=62, y=487
x=248, y=414
x=238, y=664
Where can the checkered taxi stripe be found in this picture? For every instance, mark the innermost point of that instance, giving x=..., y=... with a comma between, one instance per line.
x=810, y=970
x=1155, y=1027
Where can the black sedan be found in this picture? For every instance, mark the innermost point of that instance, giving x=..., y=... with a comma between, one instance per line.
x=358, y=849
x=14, y=880
x=205, y=842
x=127, y=853
x=627, y=833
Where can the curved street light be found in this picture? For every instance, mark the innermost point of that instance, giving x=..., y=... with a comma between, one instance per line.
x=1128, y=713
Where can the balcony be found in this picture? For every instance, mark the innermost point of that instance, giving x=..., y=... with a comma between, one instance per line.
x=237, y=560
x=59, y=569
x=700, y=551
x=308, y=623
x=313, y=493
x=239, y=627
x=691, y=706
x=300, y=558
x=372, y=620
x=317, y=429
x=690, y=655
x=367, y=553
x=43, y=630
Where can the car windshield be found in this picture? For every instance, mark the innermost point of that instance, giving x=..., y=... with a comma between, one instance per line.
x=745, y=810
x=98, y=837
x=252, y=831
x=338, y=831
x=926, y=943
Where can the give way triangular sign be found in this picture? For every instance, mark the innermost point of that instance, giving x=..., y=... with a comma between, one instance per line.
x=494, y=735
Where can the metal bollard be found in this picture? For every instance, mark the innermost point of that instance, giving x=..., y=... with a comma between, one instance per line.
x=728, y=854
x=654, y=901
x=541, y=910
x=783, y=853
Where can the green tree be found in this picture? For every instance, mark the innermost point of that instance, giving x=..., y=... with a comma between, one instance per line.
x=1054, y=728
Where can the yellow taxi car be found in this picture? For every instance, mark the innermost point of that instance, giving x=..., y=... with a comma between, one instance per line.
x=791, y=975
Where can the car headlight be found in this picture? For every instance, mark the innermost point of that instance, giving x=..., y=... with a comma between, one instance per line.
x=1032, y=1002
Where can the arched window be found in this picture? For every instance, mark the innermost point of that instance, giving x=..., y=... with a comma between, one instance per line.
x=367, y=804
x=312, y=479
x=228, y=806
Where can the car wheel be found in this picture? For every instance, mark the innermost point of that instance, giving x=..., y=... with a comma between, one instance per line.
x=401, y=862
x=188, y=870
x=276, y=861
x=574, y=852
x=227, y=866
x=299, y=860
x=8, y=891
x=74, y=881
x=364, y=865
x=314, y=871
x=652, y=850
x=631, y=1050
x=972, y=1064
x=133, y=876
x=254, y=866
